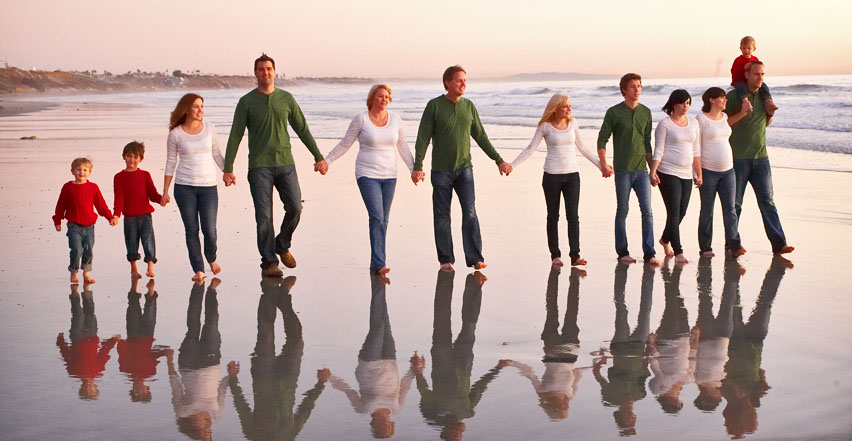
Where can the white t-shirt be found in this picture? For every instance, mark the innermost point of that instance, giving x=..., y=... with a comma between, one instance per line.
x=376, y=156
x=562, y=146
x=675, y=146
x=198, y=390
x=193, y=159
x=716, y=153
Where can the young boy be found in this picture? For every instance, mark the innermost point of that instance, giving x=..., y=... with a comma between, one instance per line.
x=133, y=189
x=75, y=204
x=747, y=47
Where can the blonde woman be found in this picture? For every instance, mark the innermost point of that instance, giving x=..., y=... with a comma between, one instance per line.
x=380, y=136
x=561, y=134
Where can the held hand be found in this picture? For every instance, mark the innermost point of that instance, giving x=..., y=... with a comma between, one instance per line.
x=655, y=179
x=417, y=364
x=698, y=182
x=418, y=176
x=505, y=168
x=165, y=200
x=229, y=179
x=58, y=227
x=323, y=375
x=114, y=221
x=233, y=368
x=321, y=167
x=747, y=107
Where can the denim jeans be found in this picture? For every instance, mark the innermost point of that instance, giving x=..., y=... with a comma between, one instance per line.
x=81, y=240
x=261, y=182
x=198, y=204
x=759, y=174
x=140, y=229
x=676, y=192
x=641, y=184
x=723, y=183
x=443, y=184
x=567, y=186
x=378, y=196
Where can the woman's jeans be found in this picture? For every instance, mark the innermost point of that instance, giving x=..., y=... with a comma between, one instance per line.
x=676, y=192
x=81, y=240
x=568, y=187
x=198, y=203
x=378, y=196
x=723, y=183
x=443, y=184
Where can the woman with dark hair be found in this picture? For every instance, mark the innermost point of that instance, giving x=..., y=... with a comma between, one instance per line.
x=192, y=157
x=717, y=171
x=675, y=165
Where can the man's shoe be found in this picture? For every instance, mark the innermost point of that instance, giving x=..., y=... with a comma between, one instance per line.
x=272, y=271
x=287, y=259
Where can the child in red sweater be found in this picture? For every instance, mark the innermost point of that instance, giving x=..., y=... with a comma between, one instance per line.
x=747, y=47
x=133, y=189
x=75, y=204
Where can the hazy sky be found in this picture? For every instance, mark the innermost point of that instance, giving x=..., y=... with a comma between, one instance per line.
x=401, y=38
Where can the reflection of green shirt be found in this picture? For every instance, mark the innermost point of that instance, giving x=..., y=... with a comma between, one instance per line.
x=450, y=126
x=748, y=136
x=266, y=117
x=631, y=136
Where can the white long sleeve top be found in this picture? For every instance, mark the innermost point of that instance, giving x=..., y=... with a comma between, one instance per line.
x=376, y=157
x=193, y=159
x=675, y=146
x=198, y=390
x=716, y=153
x=562, y=146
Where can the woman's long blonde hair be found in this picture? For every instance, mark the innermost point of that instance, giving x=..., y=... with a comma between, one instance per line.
x=556, y=101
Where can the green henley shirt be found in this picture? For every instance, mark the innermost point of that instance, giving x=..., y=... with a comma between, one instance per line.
x=266, y=117
x=748, y=136
x=631, y=137
x=450, y=126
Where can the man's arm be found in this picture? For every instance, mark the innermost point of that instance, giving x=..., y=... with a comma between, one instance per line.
x=603, y=138
x=737, y=110
x=238, y=128
x=421, y=144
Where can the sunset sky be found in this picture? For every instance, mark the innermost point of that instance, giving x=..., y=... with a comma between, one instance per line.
x=418, y=39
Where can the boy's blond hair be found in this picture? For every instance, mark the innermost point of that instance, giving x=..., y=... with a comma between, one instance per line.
x=748, y=39
x=81, y=161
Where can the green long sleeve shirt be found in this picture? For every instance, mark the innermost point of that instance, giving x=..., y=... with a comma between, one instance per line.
x=449, y=127
x=631, y=136
x=748, y=136
x=266, y=117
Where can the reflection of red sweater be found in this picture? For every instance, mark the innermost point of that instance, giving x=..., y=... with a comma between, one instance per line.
x=136, y=357
x=82, y=357
x=738, y=68
x=76, y=201
x=133, y=190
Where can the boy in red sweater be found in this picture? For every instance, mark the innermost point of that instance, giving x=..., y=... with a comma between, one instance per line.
x=747, y=47
x=133, y=189
x=75, y=204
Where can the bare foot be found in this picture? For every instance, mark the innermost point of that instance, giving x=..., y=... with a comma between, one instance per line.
x=652, y=261
x=215, y=283
x=151, y=293
x=707, y=253
x=681, y=259
x=87, y=278
x=480, y=265
x=558, y=262
x=785, y=249
x=215, y=268
x=667, y=248
x=74, y=278
x=150, y=272
x=446, y=267
x=481, y=277
x=384, y=278
x=578, y=261
x=738, y=252
x=770, y=106
x=783, y=261
x=626, y=259
x=384, y=270
x=199, y=276
x=578, y=272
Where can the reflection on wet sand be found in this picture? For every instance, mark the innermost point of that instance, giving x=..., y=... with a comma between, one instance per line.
x=625, y=382
x=275, y=377
x=198, y=387
x=452, y=398
x=382, y=393
x=137, y=355
x=85, y=356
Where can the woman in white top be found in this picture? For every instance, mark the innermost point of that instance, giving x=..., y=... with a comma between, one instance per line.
x=380, y=136
x=676, y=164
x=717, y=169
x=561, y=172
x=192, y=160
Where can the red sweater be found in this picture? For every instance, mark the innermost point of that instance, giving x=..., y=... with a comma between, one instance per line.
x=738, y=68
x=133, y=190
x=76, y=201
x=137, y=357
x=82, y=357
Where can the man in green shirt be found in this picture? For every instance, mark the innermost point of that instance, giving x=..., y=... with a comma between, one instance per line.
x=748, y=120
x=629, y=123
x=265, y=111
x=448, y=122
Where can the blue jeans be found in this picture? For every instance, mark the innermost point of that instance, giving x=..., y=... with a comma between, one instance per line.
x=641, y=184
x=723, y=183
x=81, y=240
x=140, y=229
x=443, y=184
x=378, y=196
x=261, y=182
x=759, y=174
x=198, y=204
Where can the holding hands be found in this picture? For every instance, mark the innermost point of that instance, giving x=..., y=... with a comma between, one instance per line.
x=114, y=221
x=321, y=167
x=655, y=179
x=418, y=176
x=606, y=170
x=229, y=179
x=165, y=199
x=505, y=168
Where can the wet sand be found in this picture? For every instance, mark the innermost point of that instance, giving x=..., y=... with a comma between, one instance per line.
x=793, y=382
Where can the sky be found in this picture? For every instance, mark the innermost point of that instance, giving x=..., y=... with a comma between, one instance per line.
x=402, y=38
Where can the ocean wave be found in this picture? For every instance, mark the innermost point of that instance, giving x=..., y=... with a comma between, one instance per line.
x=528, y=91
x=806, y=88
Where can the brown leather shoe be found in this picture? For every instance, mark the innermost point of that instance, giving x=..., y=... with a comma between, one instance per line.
x=272, y=271
x=287, y=259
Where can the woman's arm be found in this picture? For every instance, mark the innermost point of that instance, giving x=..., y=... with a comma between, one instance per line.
x=349, y=138
x=533, y=145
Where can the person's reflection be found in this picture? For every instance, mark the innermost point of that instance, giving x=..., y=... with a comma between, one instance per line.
x=558, y=384
x=670, y=347
x=382, y=393
x=275, y=377
x=745, y=382
x=714, y=332
x=452, y=398
x=198, y=388
x=627, y=376
x=137, y=355
x=86, y=356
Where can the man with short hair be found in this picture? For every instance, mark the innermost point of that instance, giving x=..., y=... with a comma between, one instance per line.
x=448, y=122
x=748, y=122
x=265, y=111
